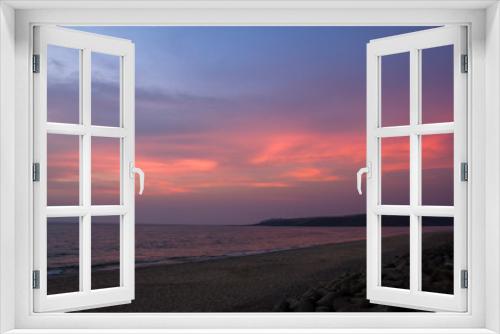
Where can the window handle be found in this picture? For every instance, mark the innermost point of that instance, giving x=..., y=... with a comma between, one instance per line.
x=365, y=170
x=135, y=170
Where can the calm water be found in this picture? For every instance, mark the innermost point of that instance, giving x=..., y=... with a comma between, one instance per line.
x=179, y=243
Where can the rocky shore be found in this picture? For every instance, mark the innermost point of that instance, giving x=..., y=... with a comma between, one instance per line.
x=347, y=293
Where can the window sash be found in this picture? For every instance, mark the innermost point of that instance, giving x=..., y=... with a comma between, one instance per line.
x=413, y=43
x=85, y=298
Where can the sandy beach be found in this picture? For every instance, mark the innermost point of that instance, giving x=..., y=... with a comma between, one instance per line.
x=266, y=282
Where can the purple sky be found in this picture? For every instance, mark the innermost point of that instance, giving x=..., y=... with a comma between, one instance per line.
x=239, y=124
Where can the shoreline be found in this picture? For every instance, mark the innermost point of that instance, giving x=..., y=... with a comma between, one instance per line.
x=288, y=280
x=142, y=262
x=184, y=260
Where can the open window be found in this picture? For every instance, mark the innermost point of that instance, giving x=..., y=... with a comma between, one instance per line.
x=402, y=130
x=84, y=169
x=72, y=122
x=482, y=137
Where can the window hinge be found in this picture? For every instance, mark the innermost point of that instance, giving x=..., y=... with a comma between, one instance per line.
x=36, y=279
x=465, y=64
x=464, y=279
x=464, y=171
x=36, y=63
x=36, y=172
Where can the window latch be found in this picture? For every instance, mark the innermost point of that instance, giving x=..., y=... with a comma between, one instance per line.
x=134, y=170
x=365, y=170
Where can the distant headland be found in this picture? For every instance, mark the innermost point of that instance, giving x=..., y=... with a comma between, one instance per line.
x=350, y=221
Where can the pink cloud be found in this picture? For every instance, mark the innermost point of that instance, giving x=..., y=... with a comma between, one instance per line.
x=268, y=184
x=311, y=174
x=308, y=148
x=208, y=162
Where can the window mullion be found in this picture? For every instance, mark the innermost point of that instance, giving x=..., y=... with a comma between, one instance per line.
x=123, y=176
x=415, y=157
x=85, y=165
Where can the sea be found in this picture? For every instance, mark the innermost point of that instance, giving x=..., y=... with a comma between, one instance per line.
x=171, y=244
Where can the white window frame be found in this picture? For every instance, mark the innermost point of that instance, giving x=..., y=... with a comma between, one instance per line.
x=413, y=44
x=86, y=44
x=16, y=20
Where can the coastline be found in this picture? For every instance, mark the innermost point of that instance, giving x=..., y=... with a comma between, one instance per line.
x=257, y=283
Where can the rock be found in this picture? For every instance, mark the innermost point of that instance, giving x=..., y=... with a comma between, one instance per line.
x=312, y=294
x=347, y=292
x=361, y=293
x=293, y=304
x=322, y=292
x=283, y=306
x=327, y=300
x=391, y=275
x=323, y=309
x=306, y=305
x=356, y=304
x=390, y=265
x=339, y=304
x=356, y=286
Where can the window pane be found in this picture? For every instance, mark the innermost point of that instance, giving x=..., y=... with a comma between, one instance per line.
x=63, y=255
x=105, y=89
x=105, y=252
x=437, y=254
x=105, y=171
x=437, y=170
x=395, y=170
x=396, y=251
x=63, y=84
x=63, y=170
x=437, y=84
x=395, y=89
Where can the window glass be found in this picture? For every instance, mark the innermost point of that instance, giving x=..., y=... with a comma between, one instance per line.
x=395, y=89
x=105, y=252
x=396, y=251
x=437, y=254
x=395, y=170
x=63, y=84
x=105, y=171
x=437, y=169
x=105, y=89
x=437, y=84
x=63, y=170
x=63, y=255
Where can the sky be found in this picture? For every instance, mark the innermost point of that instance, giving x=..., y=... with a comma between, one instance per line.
x=235, y=125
